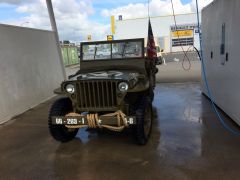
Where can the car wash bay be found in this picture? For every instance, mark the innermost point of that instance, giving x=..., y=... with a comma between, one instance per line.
x=187, y=142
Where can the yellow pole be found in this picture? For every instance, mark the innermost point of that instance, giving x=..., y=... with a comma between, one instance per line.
x=113, y=24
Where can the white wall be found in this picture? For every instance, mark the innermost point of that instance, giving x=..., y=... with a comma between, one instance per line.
x=223, y=76
x=29, y=69
x=138, y=28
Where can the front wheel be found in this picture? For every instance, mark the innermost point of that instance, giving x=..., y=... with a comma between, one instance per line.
x=144, y=121
x=61, y=107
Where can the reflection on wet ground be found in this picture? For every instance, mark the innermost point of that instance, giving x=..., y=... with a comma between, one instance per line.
x=187, y=142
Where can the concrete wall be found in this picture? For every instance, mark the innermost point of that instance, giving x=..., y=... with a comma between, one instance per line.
x=29, y=69
x=223, y=76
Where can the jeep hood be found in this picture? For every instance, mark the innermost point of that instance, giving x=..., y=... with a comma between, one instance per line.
x=110, y=74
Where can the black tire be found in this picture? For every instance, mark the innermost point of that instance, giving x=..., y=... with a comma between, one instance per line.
x=61, y=107
x=144, y=118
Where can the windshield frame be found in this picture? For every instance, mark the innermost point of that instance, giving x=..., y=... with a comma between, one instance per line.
x=141, y=40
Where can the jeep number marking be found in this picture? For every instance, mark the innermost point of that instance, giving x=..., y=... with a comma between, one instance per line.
x=58, y=121
x=130, y=120
x=72, y=121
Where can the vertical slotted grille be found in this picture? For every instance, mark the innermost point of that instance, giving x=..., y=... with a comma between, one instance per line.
x=97, y=94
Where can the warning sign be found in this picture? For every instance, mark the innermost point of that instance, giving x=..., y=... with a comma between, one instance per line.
x=89, y=37
x=181, y=33
x=110, y=37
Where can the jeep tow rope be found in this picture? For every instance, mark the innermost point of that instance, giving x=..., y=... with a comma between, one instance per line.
x=95, y=122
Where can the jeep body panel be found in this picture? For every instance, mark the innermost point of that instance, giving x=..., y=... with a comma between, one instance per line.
x=103, y=66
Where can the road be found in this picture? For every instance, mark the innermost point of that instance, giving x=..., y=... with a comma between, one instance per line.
x=187, y=142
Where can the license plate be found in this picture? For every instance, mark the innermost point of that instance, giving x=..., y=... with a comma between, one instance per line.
x=68, y=121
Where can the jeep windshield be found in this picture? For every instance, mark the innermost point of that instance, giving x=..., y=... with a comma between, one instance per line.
x=123, y=49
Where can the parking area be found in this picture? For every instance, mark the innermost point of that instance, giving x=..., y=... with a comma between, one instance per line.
x=187, y=142
x=180, y=68
x=173, y=71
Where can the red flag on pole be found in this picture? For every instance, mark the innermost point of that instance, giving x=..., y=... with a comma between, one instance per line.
x=151, y=48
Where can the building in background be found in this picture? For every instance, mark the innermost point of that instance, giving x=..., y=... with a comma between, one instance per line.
x=70, y=52
x=168, y=38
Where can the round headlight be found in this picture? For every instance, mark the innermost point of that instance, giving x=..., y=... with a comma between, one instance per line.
x=123, y=86
x=70, y=88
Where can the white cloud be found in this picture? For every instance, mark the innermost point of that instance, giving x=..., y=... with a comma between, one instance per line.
x=71, y=17
x=10, y=1
x=202, y=4
x=14, y=1
x=156, y=7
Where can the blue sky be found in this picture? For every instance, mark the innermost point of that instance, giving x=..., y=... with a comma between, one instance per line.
x=114, y=4
x=186, y=1
x=8, y=11
x=79, y=18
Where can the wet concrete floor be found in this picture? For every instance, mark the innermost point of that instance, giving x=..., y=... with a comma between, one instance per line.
x=187, y=142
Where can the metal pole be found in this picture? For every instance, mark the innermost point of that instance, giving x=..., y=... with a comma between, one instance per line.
x=55, y=30
x=148, y=11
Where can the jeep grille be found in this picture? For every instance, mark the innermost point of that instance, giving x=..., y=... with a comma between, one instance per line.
x=96, y=94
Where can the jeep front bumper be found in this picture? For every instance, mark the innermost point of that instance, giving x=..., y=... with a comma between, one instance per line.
x=83, y=120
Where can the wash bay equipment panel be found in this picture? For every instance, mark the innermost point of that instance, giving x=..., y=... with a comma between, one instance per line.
x=221, y=52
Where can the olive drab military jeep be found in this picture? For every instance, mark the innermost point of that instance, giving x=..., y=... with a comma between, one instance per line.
x=113, y=89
